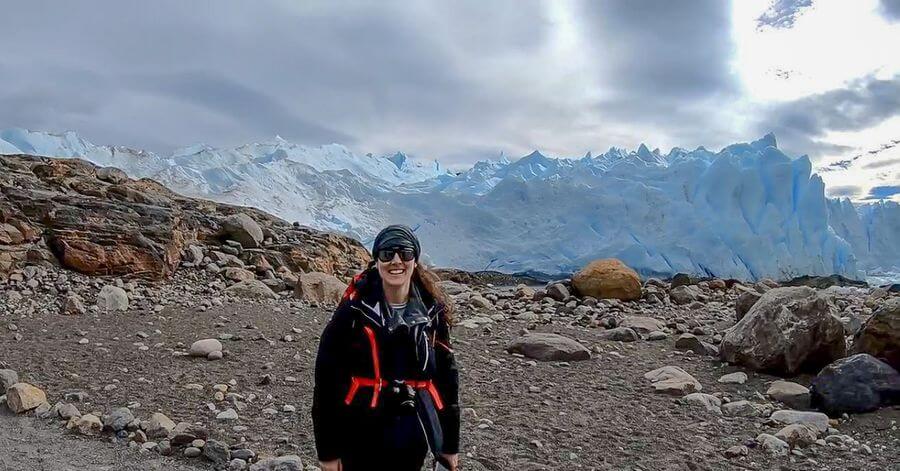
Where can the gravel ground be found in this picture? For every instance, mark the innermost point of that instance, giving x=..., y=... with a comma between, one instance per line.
x=595, y=414
x=29, y=444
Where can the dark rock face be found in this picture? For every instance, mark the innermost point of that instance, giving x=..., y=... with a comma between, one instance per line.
x=860, y=383
x=823, y=282
x=98, y=222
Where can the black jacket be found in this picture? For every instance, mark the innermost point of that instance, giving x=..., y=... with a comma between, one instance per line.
x=415, y=346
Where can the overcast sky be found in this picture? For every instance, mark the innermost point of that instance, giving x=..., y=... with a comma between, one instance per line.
x=465, y=80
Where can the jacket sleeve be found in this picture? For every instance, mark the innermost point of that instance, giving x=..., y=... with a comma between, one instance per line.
x=330, y=386
x=447, y=383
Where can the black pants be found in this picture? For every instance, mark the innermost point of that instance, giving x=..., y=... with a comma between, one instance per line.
x=395, y=443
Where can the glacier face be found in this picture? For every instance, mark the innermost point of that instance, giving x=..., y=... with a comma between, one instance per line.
x=747, y=211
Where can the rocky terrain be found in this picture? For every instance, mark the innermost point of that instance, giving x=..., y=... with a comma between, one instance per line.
x=187, y=330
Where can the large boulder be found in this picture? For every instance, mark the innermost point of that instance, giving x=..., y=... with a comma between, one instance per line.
x=319, y=287
x=880, y=336
x=608, y=278
x=253, y=289
x=786, y=331
x=112, y=298
x=242, y=228
x=549, y=347
x=860, y=383
x=22, y=397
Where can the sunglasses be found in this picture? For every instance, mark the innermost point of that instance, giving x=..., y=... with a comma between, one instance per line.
x=386, y=255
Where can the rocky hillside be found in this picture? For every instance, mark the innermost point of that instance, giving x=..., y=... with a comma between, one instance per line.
x=98, y=221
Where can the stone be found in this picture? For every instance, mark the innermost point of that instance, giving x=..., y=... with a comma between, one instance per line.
x=859, y=383
x=7, y=379
x=798, y=435
x=643, y=324
x=202, y=348
x=707, y=401
x=112, y=298
x=74, y=305
x=787, y=331
x=319, y=287
x=238, y=274
x=620, y=334
x=216, y=452
x=817, y=420
x=657, y=335
x=42, y=411
x=22, y=397
x=67, y=411
x=118, y=419
x=772, y=444
x=608, y=279
x=217, y=355
x=682, y=279
x=252, y=289
x=558, y=292
x=686, y=294
x=237, y=464
x=227, y=415
x=192, y=452
x=673, y=380
x=242, y=228
x=745, y=301
x=738, y=377
x=692, y=343
x=740, y=409
x=880, y=335
x=479, y=302
x=87, y=424
x=736, y=451
x=112, y=175
x=549, y=347
x=158, y=426
x=793, y=395
x=282, y=463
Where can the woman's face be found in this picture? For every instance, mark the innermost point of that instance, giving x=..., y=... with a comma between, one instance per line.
x=396, y=272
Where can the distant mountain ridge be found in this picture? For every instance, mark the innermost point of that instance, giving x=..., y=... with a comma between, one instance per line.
x=747, y=211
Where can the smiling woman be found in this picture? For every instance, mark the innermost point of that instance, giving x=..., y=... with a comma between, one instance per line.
x=387, y=387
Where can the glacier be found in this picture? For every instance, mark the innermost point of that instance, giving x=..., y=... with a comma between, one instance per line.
x=747, y=211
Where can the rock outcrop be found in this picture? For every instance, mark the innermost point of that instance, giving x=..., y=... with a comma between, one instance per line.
x=97, y=222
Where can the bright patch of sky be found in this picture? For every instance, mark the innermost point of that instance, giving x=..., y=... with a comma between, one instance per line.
x=826, y=46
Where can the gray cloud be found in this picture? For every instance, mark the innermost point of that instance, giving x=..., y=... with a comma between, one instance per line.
x=782, y=13
x=849, y=191
x=802, y=124
x=456, y=81
x=882, y=164
x=890, y=9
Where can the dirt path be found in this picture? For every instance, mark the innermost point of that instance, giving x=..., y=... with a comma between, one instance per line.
x=28, y=444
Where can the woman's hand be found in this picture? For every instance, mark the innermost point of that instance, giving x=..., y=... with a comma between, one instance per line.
x=334, y=465
x=453, y=460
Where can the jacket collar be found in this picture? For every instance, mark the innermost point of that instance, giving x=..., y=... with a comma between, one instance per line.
x=372, y=305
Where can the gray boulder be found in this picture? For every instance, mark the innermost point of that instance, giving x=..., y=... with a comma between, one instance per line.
x=549, y=347
x=242, y=228
x=786, y=331
x=860, y=383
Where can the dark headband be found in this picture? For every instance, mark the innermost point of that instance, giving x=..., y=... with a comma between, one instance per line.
x=396, y=236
